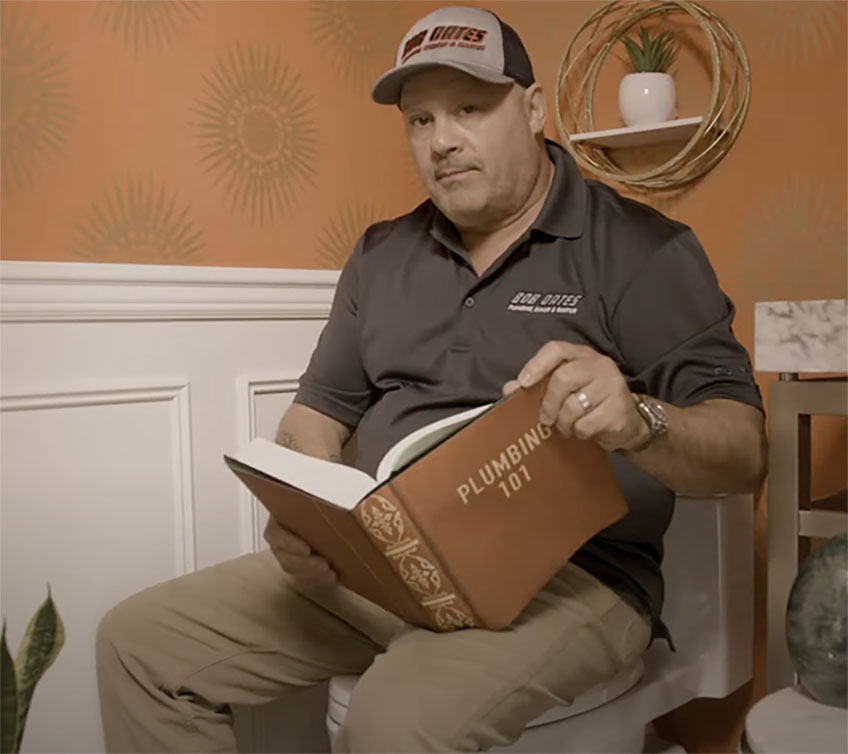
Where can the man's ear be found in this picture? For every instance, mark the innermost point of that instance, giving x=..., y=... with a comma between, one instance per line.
x=537, y=108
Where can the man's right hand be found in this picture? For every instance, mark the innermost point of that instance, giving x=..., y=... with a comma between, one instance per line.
x=296, y=557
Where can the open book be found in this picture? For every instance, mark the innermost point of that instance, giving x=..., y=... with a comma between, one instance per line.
x=466, y=519
x=342, y=485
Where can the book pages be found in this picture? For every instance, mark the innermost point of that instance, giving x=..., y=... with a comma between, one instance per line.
x=417, y=443
x=336, y=483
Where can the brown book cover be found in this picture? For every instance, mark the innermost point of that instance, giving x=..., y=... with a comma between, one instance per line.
x=462, y=536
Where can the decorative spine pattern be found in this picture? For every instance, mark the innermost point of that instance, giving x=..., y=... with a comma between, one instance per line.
x=392, y=530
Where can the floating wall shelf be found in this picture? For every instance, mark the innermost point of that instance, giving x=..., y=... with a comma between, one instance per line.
x=681, y=129
x=602, y=34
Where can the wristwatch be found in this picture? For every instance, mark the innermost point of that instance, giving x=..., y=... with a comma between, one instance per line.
x=654, y=415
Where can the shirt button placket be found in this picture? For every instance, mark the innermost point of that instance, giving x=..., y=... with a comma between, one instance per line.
x=465, y=322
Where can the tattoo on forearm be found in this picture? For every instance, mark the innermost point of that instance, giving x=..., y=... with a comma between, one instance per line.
x=288, y=440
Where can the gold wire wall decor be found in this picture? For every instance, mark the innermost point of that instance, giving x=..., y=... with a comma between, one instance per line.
x=722, y=121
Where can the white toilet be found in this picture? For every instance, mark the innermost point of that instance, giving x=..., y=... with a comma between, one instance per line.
x=709, y=574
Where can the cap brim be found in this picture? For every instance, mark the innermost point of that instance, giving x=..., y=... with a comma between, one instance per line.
x=387, y=88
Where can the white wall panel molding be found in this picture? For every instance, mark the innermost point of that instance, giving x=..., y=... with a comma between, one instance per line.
x=175, y=393
x=248, y=387
x=90, y=351
x=85, y=292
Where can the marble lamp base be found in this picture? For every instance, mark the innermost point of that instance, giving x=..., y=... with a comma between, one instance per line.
x=801, y=336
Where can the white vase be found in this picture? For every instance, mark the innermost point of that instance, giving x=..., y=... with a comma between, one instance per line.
x=645, y=98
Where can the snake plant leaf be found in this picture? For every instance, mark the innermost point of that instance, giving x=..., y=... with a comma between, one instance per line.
x=8, y=699
x=42, y=641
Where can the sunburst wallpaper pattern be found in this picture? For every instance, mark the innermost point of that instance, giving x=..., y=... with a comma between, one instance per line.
x=796, y=31
x=146, y=25
x=256, y=132
x=138, y=220
x=354, y=35
x=341, y=230
x=35, y=110
x=240, y=132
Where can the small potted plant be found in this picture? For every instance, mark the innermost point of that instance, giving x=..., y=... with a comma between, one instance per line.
x=647, y=94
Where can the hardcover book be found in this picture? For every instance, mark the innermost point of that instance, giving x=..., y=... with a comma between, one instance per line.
x=464, y=522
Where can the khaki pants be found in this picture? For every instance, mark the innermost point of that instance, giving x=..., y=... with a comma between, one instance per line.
x=172, y=658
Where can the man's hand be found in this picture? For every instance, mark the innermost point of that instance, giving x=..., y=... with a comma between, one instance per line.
x=296, y=557
x=587, y=396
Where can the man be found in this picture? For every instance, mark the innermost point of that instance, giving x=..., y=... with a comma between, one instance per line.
x=515, y=269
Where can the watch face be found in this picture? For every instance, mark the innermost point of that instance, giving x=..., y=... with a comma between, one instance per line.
x=654, y=415
x=660, y=417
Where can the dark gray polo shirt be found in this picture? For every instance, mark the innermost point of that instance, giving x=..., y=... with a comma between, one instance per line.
x=415, y=334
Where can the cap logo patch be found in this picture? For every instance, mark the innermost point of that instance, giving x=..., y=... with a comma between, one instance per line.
x=413, y=45
x=444, y=36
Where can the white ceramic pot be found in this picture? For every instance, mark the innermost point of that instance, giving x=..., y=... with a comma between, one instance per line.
x=645, y=98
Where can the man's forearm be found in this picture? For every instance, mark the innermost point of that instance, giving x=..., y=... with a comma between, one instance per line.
x=309, y=432
x=716, y=446
x=290, y=440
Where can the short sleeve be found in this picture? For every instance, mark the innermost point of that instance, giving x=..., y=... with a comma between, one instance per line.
x=673, y=329
x=335, y=382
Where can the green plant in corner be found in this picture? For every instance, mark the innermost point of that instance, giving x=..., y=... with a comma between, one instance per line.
x=42, y=641
x=655, y=54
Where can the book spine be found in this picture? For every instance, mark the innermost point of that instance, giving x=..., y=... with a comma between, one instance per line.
x=398, y=539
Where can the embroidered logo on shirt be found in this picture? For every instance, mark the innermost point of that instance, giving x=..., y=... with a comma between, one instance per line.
x=544, y=303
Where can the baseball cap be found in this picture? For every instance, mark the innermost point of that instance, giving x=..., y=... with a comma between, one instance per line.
x=472, y=40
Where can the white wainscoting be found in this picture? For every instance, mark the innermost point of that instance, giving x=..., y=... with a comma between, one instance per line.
x=121, y=386
x=260, y=401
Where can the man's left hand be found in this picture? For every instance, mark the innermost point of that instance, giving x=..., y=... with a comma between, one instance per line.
x=587, y=396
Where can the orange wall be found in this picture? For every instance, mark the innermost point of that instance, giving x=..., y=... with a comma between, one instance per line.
x=242, y=134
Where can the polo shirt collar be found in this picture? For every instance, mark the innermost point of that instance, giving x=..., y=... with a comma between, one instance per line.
x=563, y=214
x=564, y=211
x=445, y=232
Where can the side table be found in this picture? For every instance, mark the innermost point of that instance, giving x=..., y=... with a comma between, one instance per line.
x=792, y=337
